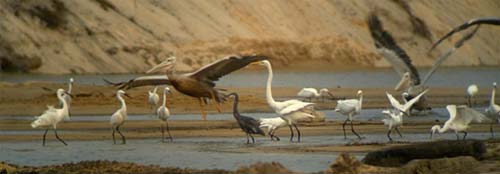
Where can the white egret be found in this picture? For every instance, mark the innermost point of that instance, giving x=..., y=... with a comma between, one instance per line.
x=460, y=118
x=493, y=110
x=405, y=108
x=350, y=108
x=291, y=110
x=163, y=114
x=325, y=93
x=393, y=121
x=153, y=98
x=52, y=116
x=119, y=117
x=273, y=124
x=472, y=91
x=308, y=93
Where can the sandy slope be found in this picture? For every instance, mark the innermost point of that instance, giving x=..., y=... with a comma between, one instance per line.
x=116, y=36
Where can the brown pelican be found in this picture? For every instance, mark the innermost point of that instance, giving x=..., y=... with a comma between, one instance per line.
x=249, y=125
x=199, y=84
x=402, y=64
x=478, y=22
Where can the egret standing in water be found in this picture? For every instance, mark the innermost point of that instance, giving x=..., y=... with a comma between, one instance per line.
x=493, y=110
x=393, y=121
x=471, y=94
x=290, y=110
x=350, y=107
x=249, y=125
x=153, y=98
x=52, y=116
x=460, y=118
x=119, y=117
x=308, y=93
x=273, y=124
x=163, y=114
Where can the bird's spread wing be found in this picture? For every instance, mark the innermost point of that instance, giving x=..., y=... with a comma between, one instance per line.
x=478, y=21
x=443, y=57
x=407, y=106
x=222, y=67
x=464, y=115
x=394, y=54
x=153, y=80
x=394, y=102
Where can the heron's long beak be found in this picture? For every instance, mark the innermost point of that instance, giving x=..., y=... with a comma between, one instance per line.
x=127, y=95
x=68, y=94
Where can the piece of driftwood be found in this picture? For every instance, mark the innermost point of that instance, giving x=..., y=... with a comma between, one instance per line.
x=400, y=155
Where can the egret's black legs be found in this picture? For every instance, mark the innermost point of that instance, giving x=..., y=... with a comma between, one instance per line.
x=44, y=135
x=57, y=136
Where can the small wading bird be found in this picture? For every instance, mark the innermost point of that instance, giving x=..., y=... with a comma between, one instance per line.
x=308, y=93
x=52, y=116
x=67, y=98
x=393, y=121
x=471, y=94
x=273, y=124
x=119, y=117
x=153, y=98
x=199, y=84
x=325, y=93
x=460, y=118
x=249, y=125
x=163, y=114
x=493, y=110
x=291, y=111
x=350, y=108
x=402, y=64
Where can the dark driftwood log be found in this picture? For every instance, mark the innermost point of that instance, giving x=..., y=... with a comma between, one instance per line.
x=400, y=155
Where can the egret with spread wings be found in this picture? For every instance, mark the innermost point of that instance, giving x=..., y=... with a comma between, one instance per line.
x=199, y=84
x=402, y=64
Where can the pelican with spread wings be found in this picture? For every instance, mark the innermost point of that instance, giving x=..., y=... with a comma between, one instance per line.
x=402, y=64
x=199, y=84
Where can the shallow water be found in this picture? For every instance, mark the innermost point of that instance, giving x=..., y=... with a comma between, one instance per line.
x=330, y=115
x=373, y=78
x=199, y=153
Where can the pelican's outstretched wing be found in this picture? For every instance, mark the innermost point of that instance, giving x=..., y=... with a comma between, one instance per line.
x=212, y=72
x=478, y=21
x=441, y=59
x=141, y=81
x=464, y=115
x=387, y=47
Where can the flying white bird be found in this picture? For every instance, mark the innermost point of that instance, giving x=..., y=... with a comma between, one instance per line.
x=308, y=93
x=460, y=118
x=350, y=108
x=153, y=98
x=405, y=108
x=119, y=117
x=471, y=94
x=290, y=110
x=493, y=110
x=52, y=116
x=393, y=120
x=163, y=114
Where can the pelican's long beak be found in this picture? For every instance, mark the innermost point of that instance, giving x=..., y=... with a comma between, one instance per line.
x=401, y=83
x=159, y=66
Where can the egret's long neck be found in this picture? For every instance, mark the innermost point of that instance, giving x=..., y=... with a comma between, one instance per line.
x=360, y=101
x=164, y=99
x=64, y=104
x=70, y=86
x=492, y=101
x=269, y=94
x=124, y=106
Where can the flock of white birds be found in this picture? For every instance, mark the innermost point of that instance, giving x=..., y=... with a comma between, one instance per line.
x=290, y=112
